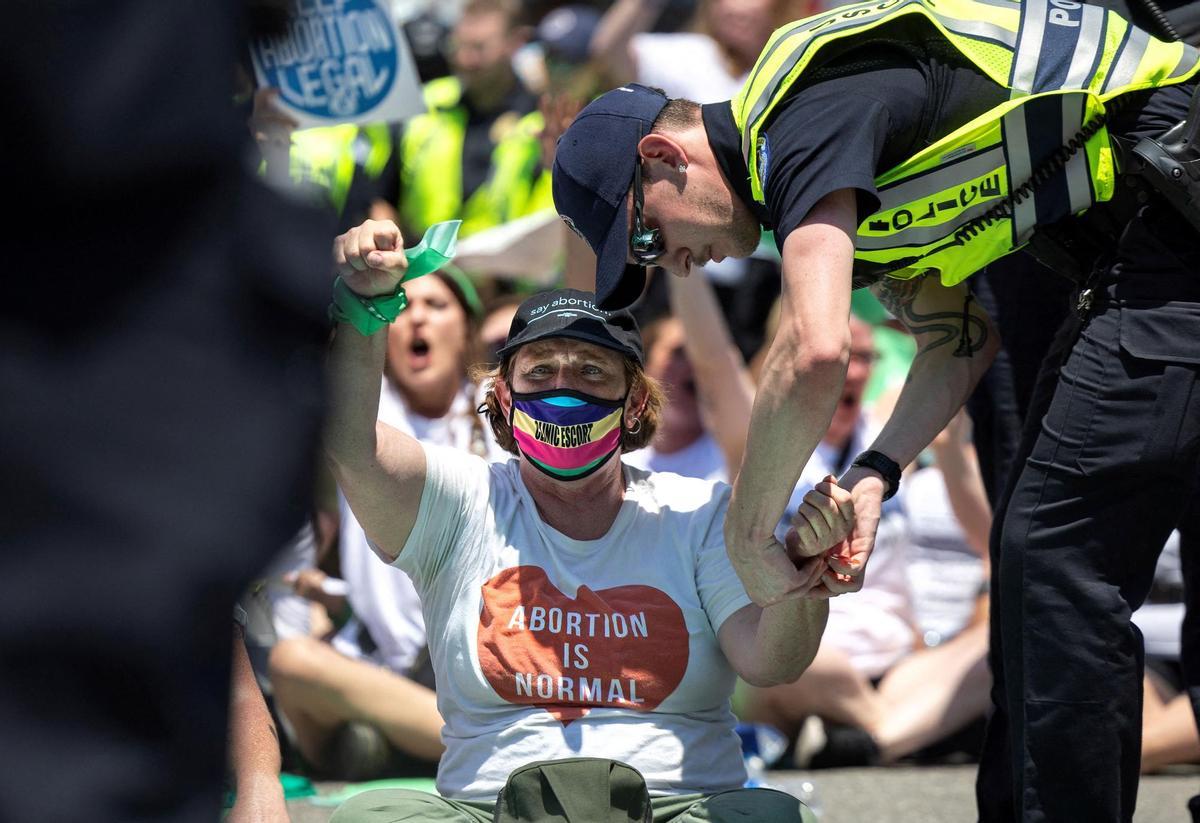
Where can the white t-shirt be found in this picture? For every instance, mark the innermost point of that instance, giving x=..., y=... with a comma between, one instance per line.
x=289, y=611
x=383, y=598
x=1160, y=622
x=944, y=572
x=547, y=647
x=684, y=64
x=703, y=459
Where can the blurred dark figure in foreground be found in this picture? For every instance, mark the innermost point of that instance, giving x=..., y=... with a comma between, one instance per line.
x=160, y=340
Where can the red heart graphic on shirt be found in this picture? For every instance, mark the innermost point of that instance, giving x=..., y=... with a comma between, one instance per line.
x=624, y=647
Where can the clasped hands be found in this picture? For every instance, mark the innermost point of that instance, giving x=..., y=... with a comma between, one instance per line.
x=824, y=552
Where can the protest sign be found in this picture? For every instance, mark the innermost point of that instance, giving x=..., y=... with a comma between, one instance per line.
x=339, y=61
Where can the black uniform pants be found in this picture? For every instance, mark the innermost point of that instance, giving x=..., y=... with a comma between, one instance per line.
x=1028, y=303
x=1106, y=465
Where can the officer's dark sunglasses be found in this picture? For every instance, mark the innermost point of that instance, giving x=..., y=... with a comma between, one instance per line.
x=646, y=244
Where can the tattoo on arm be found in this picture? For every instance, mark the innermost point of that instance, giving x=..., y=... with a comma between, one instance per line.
x=943, y=327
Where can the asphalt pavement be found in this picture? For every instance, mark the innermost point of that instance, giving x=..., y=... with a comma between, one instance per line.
x=904, y=794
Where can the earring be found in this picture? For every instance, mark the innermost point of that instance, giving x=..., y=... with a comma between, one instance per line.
x=636, y=427
x=682, y=167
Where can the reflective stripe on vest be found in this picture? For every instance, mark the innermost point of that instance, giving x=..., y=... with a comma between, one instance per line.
x=948, y=207
x=431, y=166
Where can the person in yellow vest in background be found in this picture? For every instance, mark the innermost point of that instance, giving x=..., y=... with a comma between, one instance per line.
x=903, y=145
x=344, y=165
x=474, y=155
x=340, y=168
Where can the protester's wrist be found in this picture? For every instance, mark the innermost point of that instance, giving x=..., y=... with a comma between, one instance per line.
x=366, y=314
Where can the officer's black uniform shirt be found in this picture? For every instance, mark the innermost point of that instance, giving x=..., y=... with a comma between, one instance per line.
x=868, y=111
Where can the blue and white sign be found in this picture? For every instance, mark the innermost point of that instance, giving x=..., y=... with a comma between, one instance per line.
x=340, y=61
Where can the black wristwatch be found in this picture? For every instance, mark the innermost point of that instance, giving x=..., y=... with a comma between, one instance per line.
x=886, y=466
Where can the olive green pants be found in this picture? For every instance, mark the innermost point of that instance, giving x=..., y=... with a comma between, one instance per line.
x=736, y=806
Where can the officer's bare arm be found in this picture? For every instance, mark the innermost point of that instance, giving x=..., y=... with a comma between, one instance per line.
x=956, y=343
x=801, y=380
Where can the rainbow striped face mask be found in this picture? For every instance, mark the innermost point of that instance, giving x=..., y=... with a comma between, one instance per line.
x=564, y=433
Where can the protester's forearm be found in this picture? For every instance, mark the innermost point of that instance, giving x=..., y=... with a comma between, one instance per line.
x=787, y=639
x=797, y=393
x=725, y=390
x=355, y=366
x=693, y=302
x=611, y=41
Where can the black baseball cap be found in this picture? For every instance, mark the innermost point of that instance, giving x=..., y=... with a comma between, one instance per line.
x=573, y=313
x=593, y=170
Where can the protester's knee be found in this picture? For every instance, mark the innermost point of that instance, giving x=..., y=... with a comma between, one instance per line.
x=832, y=674
x=296, y=659
x=397, y=804
x=740, y=805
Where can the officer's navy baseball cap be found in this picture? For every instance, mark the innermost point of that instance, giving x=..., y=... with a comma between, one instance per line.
x=593, y=170
x=573, y=313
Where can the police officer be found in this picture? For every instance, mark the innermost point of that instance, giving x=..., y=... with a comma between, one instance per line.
x=903, y=146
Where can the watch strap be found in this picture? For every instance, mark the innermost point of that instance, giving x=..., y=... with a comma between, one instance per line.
x=886, y=466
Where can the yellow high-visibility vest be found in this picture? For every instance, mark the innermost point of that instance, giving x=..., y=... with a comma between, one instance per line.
x=327, y=157
x=431, y=166
x=978, y=192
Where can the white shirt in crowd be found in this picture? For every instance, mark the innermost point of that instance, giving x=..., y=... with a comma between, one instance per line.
x=945, y=573
x=548, y=647
x=703, y=459
x=684, y=64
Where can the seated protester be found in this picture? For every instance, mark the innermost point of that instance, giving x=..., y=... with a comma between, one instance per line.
x=702, y=430
x=347, y=702
x=583, y=608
